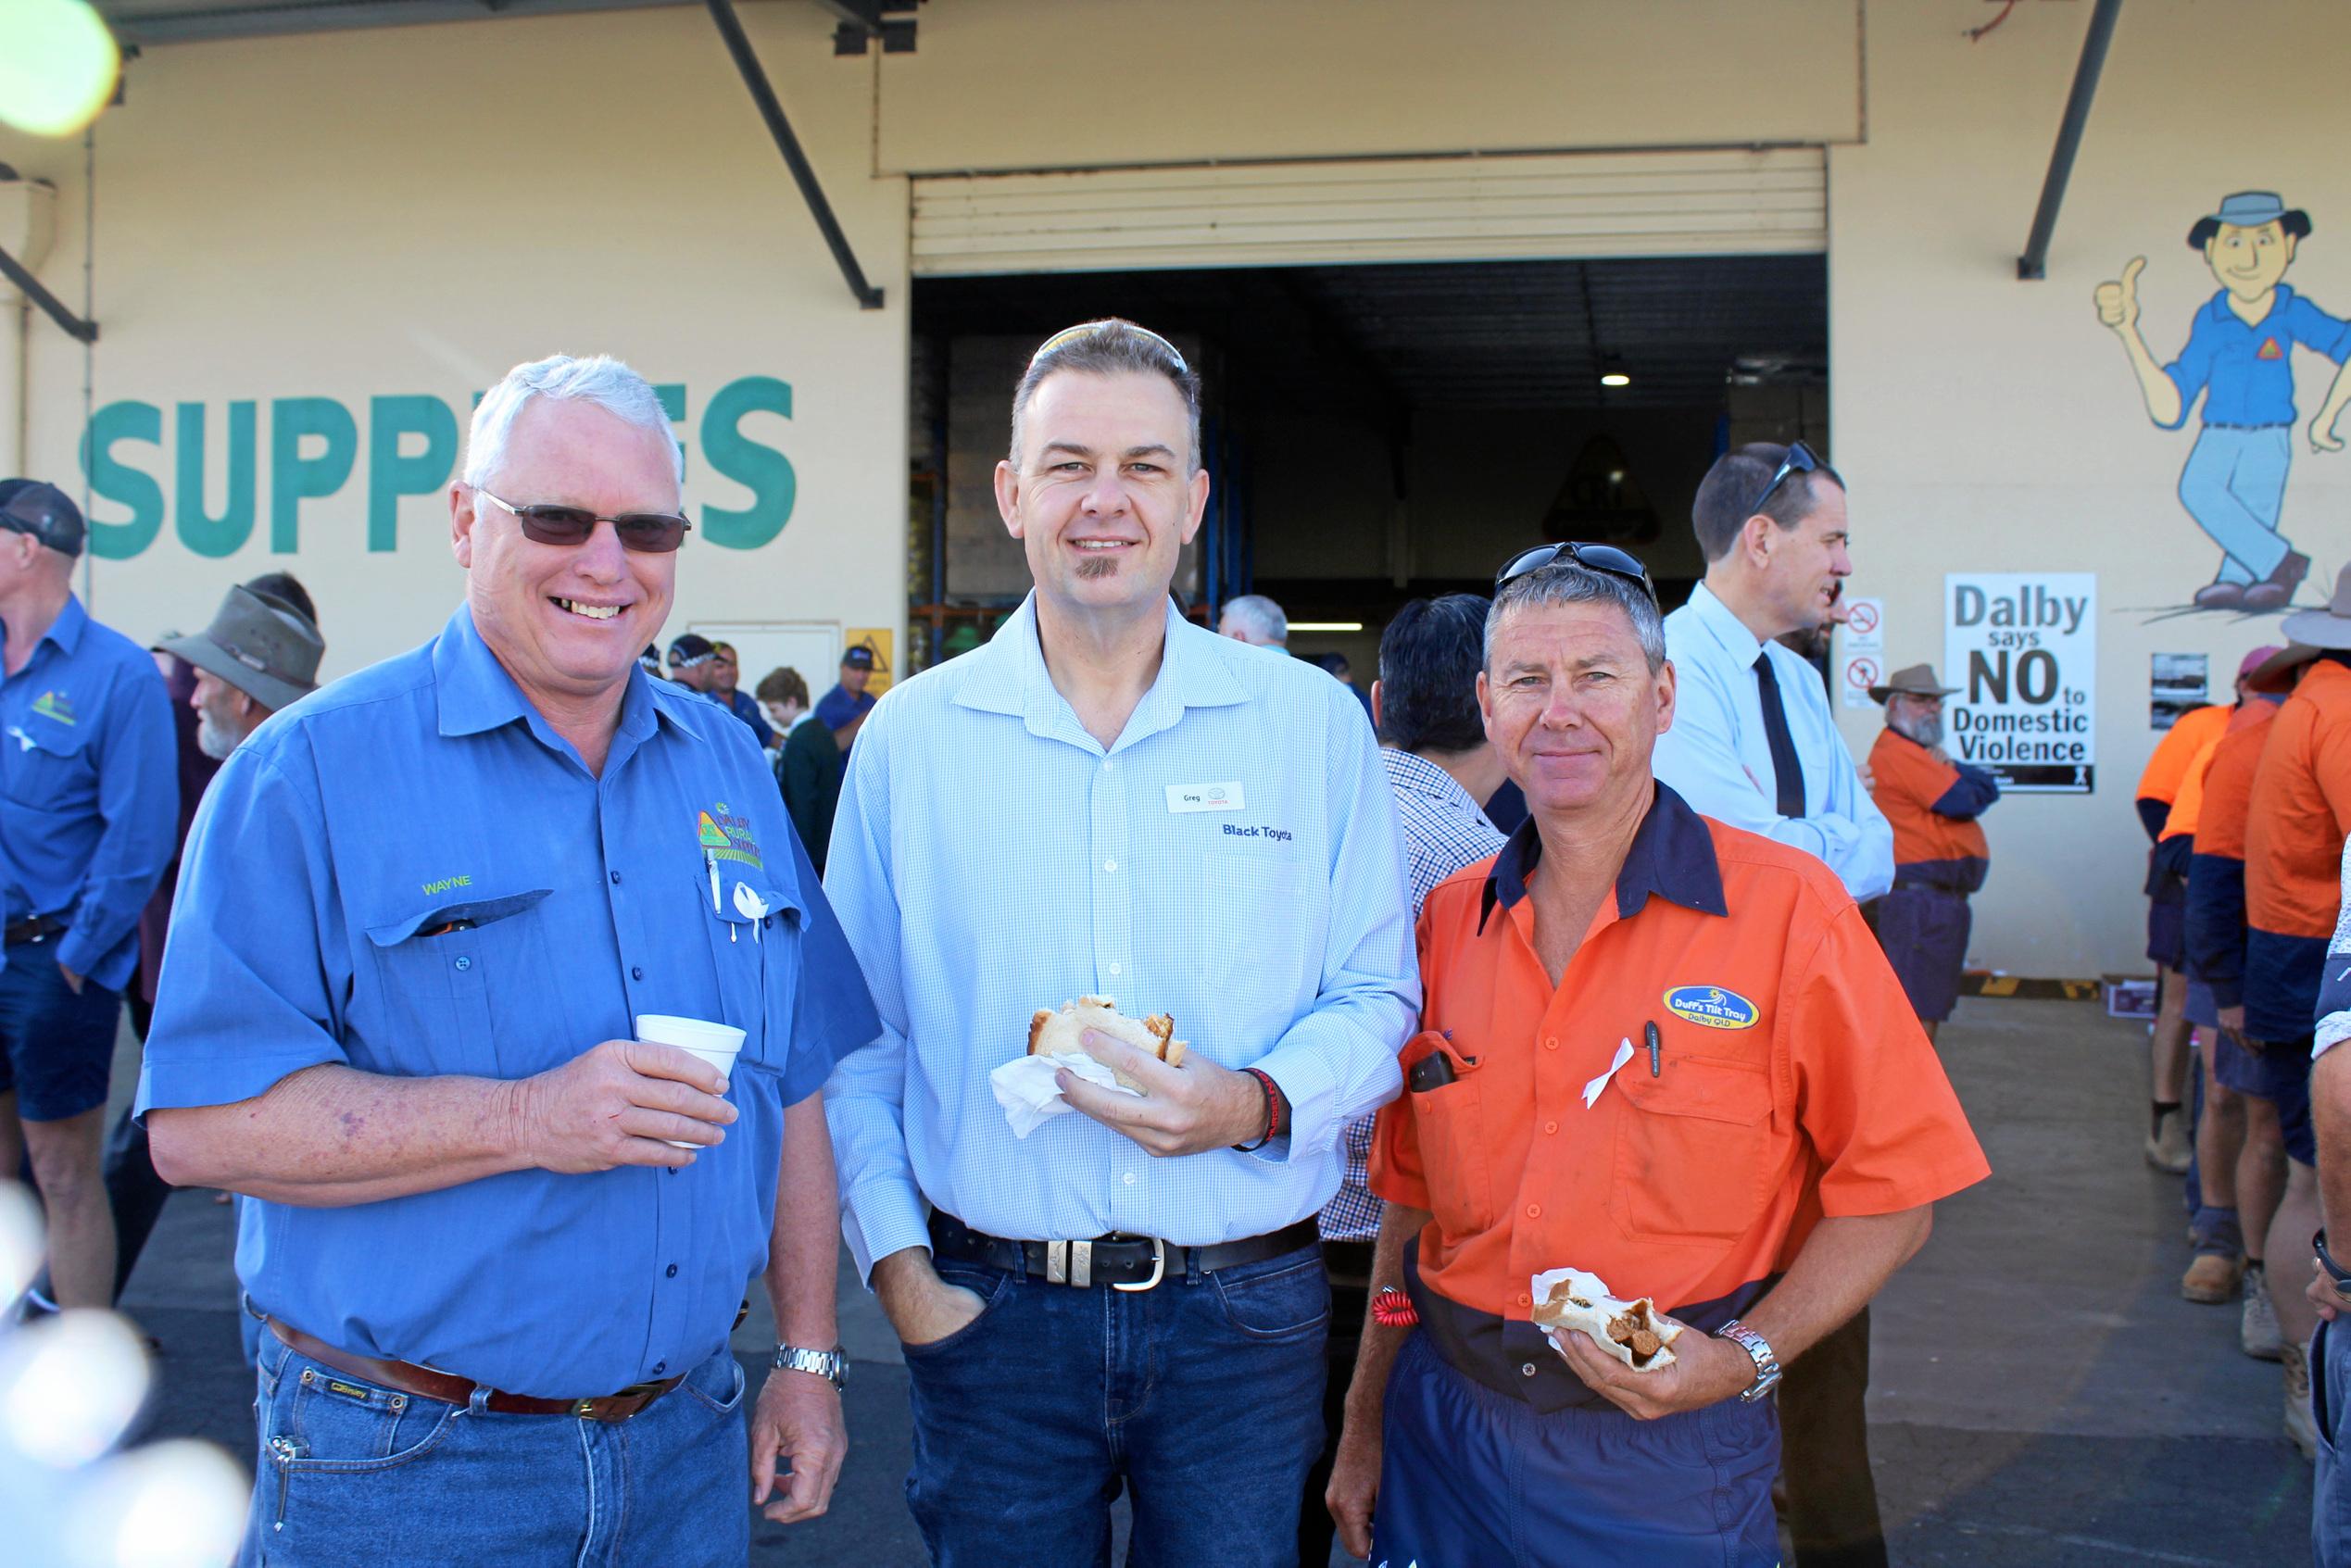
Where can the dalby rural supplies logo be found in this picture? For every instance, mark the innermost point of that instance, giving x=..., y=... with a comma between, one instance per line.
x=55, y=705
x=1710, y=1006
x=728, y=837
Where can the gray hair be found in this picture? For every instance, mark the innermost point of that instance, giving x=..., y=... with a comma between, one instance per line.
x=1565, y=583
x=1108, y=347
x=1259, y=615
x=602, y=380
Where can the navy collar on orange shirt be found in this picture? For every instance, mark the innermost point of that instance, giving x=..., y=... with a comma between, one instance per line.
x=1672, y=855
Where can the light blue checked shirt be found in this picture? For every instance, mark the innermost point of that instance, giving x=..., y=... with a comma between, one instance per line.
x=1717, y=757
x=1444, y=830
x=1233, y=860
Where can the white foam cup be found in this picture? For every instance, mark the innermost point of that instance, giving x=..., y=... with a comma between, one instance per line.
x=718, y=1044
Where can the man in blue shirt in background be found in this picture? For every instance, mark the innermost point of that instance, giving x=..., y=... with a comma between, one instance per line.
x=89, y=794
x=499, y=1243
x=1107, y=800
x=2238, y=356
x=843, y=710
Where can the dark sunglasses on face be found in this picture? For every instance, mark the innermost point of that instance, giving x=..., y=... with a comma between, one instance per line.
x=652, y=532
x=1801, y=459
x=1593, y=557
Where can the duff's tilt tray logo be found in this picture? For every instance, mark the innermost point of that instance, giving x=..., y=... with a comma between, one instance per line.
x=1710, y=1006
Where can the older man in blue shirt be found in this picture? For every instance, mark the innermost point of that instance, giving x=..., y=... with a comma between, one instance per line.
x=88, y=801
x=1109, y=799
x=498, y=1242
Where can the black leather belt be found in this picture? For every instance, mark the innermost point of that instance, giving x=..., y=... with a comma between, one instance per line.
x=1122, y=1263
x=40, y=928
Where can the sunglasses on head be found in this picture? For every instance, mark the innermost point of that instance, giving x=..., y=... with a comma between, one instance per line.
x=1801, y=459
x=1592, y=558
x=652, y=532
x=1072, y=335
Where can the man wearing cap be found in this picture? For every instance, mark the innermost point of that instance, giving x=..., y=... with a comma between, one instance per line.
x=2240, y=1160
x=1655, y=1048
x=87, y=796
x=1940, y=854
x=843, y=710
x=497, y=1240
x=693, y=660
x=2238, y=356
x=1754, y=745
x=1109, y=800
x=725, y=689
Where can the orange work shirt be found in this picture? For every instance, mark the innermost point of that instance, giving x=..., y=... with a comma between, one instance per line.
x=2228, y=781
x=2301, y=803
x=2187, y=807
x=1792, y=1082
x=1947, y=846
x=2161, y=778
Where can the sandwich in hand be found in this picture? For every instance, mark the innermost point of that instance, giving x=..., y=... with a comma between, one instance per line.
x=1058, y=1033
x=1633, y=1332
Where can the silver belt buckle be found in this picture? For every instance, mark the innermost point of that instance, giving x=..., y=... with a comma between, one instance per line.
x=1070, y=1263
x=1159, y=1268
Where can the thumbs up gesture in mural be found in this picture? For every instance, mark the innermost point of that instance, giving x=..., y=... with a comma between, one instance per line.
x=2119, y=302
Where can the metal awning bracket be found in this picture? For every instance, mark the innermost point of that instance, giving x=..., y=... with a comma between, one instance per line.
x=51, y=306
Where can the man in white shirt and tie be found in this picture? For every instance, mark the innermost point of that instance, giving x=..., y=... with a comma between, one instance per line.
x=1754, y=745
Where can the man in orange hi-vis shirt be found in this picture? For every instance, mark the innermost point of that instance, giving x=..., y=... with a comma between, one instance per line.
x=2166, y=889
x=1656, y=1049
x=1939, y=853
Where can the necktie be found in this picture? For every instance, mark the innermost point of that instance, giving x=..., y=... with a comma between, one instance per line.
x=1788, y=775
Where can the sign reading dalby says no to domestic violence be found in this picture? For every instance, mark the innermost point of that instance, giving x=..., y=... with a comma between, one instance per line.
x=2022, y=647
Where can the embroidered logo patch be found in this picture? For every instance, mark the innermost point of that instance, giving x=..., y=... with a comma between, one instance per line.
x=2269, y=350
x=443, y=885
x=725, y=836
x=1710, y=1006
x=54, y=703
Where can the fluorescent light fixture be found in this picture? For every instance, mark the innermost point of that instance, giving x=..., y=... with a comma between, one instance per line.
x=1616, y=378
x=1326, y=626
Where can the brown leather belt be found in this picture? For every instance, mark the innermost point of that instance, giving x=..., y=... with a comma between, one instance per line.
x=449, y=1389
x=40, y=928
x=1122, y=1262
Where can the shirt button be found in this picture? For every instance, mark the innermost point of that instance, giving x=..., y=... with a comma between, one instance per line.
x=1110, y=865
x=616, y=879
x=1550, y=1042
x=664, y=1366
x=1108, y=763
x=1534, y=1211
x=1525, y=1300
x=1551, y=1126
x=1528, y=1370
x=464, y=962
x=1128, y=1178
x=637, y=972
x=674, y=1270
x=1115, y=970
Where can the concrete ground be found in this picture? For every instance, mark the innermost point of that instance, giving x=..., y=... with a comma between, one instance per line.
x=2042, y=1398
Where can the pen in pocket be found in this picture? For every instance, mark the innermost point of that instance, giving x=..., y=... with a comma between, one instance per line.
x=1649, y=1033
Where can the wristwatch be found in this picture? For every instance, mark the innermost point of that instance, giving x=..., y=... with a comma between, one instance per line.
x=2326, y=1261
x=830, y=1365
x=1758, y=1350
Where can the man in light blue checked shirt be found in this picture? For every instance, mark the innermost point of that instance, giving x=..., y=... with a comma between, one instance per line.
x=1439, y=766
x=1108, y=799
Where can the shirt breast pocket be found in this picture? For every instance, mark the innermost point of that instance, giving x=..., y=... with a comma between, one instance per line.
x=1448, y=1125
x=438, y=967
x=48, y=767
x=1693, y=1147
x=751, y=941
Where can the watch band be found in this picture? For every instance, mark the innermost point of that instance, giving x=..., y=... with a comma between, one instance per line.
x=2326, y=1261
x=831, y=1366
x=1758, y=1350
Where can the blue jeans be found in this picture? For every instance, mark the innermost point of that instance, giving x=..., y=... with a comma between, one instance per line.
x=2234, y=487
x=2331, y=1403
x=353, y=1475
x=1203, y=1396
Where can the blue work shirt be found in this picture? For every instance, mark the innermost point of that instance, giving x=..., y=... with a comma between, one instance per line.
x=89, y=792
x=1718, y=756
x=1232, y=860
x=2246, y=372
x=328, y=864
x=837, y=708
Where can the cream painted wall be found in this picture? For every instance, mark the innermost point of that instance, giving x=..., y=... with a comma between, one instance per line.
x=412, y=210
x=1004, y=85
x=1991, y=424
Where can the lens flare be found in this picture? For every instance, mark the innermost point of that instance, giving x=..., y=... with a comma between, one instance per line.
x=57, y=65
x=70, y=1387
x=176, y=1504
x=19, y=1243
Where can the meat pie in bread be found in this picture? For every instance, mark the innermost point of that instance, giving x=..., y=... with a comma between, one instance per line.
x=1054, y=1034
x=1630, y=1331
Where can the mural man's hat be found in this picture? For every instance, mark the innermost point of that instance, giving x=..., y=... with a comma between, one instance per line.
x=1919, y=679
x=2249, y=209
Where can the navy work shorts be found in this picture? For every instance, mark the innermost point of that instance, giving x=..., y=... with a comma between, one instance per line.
x=2280, y=1074
x=2167, y=930
x=55, y=1048
x=1469, y=1476
x=1924, y=932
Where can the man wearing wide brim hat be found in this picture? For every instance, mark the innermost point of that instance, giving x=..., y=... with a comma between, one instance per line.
x=1939, y=853
x=2239, y=360
x=259, y=655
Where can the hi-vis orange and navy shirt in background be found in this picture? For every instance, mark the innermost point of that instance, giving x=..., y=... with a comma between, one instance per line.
x=1933, y=806
x=1792, y=1081
x=2216, y=870
x=2293, y=851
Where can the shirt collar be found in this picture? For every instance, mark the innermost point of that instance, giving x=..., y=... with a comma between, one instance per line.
x=1422, y=777
x=1672, y=855
x=1725, y=627
x=66, y=629
x=2281, y=294
x=474, y=694
x=1011, y=679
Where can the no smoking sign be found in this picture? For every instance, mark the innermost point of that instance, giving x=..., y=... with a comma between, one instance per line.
x=1862, y=650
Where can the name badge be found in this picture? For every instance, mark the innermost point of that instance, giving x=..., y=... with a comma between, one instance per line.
x=1226, y=797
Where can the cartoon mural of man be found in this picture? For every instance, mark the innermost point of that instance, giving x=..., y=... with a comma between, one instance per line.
x=2238, y=356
